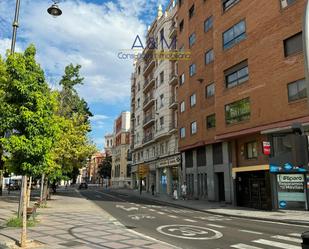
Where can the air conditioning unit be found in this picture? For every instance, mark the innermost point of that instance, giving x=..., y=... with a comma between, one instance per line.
x=284, y=3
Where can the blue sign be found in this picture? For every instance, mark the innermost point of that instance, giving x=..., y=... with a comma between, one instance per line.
x=282, y=204
x=286, y=168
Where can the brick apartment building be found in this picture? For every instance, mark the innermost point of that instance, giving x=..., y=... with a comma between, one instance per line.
x=243, y=85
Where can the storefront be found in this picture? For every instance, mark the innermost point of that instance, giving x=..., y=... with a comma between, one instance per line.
x=291, y=187
x=168, y=174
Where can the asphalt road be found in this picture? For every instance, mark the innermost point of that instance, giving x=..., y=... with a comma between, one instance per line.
x=186, y=228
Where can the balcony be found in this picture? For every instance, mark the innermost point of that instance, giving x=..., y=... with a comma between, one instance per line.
x=173, y=79
x=173, y=102
x=150, y=64
x=149, y=83
x=148, y=102
x=148, y=120
x=173, y=31
x=148, y=138
x=173, y=127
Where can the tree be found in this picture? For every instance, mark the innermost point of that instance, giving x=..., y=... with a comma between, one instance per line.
x=105, y=167
x=31, y=119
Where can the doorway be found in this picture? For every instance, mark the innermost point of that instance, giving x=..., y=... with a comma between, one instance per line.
x=221, y=187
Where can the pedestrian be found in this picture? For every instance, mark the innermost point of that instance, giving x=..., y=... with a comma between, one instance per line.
x=175, y=194
x=152, y=188
x=184, y=191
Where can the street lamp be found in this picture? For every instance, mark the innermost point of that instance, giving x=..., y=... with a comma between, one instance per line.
x=53, y=10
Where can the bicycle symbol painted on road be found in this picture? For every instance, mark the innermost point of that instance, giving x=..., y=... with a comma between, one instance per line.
x=189, y=232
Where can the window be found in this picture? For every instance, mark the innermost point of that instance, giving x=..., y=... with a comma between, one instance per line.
x=217, y=153
x=192, y=69
x=191, y=11
x=237, y=111
x=251, y=150
x=161, y=100
x=180, y=3
x=181, y=25
x=192, y=40
x=193, y=127
x=182, y=106
x=189, y=158
x=293, y=44
x=138, y=102
x=227, y=4
x=182, y=79
x=209, y=56
x=161, y=122
x=201, y=156
x=162, y=77
x=211, y=121
x=139, y=70
x=193, y=100
x=237, y=74
x=208, y=23
x=234, y=35
x=138, y=87
x=137, y=120
x=182, y=132
x=286, y=3
x=297, y=90
x=210, y=90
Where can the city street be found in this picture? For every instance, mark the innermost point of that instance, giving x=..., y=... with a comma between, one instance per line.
x=186, y=228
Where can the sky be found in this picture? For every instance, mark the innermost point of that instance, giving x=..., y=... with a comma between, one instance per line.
x=90, y=33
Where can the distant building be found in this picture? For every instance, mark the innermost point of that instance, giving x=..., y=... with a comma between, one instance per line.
x=93, y=168
x=109, y=142
x=121, y=144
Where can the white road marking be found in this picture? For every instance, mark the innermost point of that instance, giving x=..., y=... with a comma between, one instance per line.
x=295, y=235
x=189, y=220
x=152, y=210
x=161, y=213
x=214, y=225
x=244, y=246
x=286, y=238
x=144, y=207
x=275, y=244
x=126, y=209
x=248, y=231
x=189, y=232
x=173, y=216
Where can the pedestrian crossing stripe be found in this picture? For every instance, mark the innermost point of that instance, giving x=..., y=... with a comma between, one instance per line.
x=244, y=246
x=271, y=243
x=295, y=235
x=287, y=238
x=275, y=244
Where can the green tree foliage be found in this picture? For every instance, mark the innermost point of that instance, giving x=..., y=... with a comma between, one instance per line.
x=105, y=168
x=30, y=118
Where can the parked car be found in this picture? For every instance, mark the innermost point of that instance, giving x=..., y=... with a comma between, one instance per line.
x=83, y=186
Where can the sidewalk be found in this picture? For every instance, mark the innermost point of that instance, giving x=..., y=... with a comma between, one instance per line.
x=284, y=216
x=72, y=221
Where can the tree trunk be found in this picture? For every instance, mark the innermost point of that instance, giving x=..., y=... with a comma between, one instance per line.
x=1, y=179
x=23, y=242
x=42, y=187
x=21, y=198
x=29, y=191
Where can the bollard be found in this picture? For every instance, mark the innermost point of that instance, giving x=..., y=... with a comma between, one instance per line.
x=305, y=238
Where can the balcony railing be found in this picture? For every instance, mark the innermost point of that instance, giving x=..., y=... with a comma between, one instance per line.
x=173, y=126
x=148, y=118
x=148, y=80
x=148, y=138
x=148, y=99
x=173, y=78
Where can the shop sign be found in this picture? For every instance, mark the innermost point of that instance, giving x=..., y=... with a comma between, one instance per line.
x=143, y=170
x=291, y=191
x=266, y=148
x=168, y=162
x=286, y=168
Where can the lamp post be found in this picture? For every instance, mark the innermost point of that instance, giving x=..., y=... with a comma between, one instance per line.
x=53, y=10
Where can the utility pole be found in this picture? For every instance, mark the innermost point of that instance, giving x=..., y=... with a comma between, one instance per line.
x=15, y=26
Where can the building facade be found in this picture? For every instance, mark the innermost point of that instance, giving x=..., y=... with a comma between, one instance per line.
x=108, y=144
x=243, y=87
x=120, y=169
x=92, y=173
x=155, y=157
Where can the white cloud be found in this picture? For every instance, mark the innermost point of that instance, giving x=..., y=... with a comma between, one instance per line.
x=98, y=117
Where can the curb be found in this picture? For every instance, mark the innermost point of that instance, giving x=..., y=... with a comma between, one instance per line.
x=227, y=215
